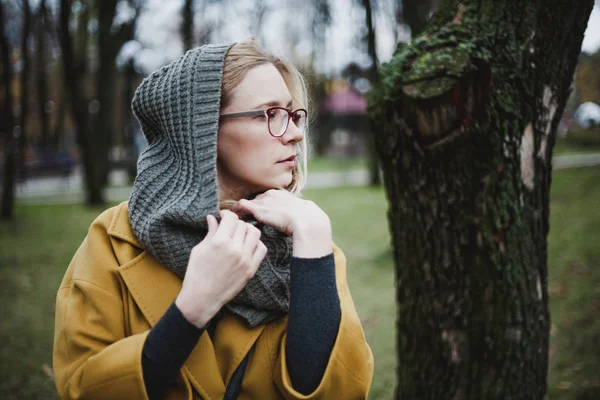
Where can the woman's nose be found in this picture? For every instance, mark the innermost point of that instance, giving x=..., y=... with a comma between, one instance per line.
x=292, y=134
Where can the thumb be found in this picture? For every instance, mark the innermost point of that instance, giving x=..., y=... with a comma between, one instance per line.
x=213, y=225
x=244, y=207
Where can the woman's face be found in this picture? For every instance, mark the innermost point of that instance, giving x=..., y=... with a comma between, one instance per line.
x=248, y=157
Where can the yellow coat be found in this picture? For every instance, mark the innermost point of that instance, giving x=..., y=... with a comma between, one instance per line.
x=114, y=291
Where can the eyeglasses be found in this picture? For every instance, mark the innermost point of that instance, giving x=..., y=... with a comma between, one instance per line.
x=278, y=118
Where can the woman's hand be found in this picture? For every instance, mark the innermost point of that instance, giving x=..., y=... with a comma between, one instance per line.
x=302, y=219
x=219, y=267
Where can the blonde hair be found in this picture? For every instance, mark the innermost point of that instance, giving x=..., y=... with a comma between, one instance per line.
x=241, y=58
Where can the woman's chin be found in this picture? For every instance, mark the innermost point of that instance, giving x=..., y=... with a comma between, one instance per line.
x=280, y=183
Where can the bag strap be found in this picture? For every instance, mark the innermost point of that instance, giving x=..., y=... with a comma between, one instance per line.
x=235, y=383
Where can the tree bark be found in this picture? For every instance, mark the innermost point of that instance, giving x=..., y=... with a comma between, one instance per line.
x=8, y=122
x=414, y=13
x=74, y=72
x=467, y=117
x=374, y=177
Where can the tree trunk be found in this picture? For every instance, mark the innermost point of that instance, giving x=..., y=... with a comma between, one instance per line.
x=59, y=124
x=187, y=24
x=74, y=73
x=42, y=85
x=129, y=130
x=374, y=178
x=8, y=124
x=415, y=13
x=467, y=117
x=109, y=43
x=24, y=108
x=105, y=85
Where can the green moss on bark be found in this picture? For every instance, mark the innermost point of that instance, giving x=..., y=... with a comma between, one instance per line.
x=467, y=183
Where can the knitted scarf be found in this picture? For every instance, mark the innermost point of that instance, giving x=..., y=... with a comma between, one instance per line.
x=176, y=184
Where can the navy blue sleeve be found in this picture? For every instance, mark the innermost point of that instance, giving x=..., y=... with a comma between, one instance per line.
x=166, y=349
x=314, y=320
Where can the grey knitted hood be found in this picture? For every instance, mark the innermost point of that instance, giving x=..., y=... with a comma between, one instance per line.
x=176, y=185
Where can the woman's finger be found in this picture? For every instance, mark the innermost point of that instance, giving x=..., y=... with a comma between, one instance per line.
x=239, y=234
x=245, y=207
x=213, y=225
x=227, y=226
x=252, y=238
x=239, y=210
x=259, y=254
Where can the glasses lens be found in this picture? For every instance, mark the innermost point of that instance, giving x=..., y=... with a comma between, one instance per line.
x=299, y=119
x=278, y=119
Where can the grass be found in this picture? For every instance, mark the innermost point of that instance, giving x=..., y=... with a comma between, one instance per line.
x=35, y=250
x=565, y=147
x=574, y=285
x=324, y=164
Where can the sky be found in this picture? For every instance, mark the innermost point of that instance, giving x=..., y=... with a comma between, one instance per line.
x=283, y=32
x=591, y=40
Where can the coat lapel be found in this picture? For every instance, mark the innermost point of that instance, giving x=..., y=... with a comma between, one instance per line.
x=154, y=288
x=233, y=340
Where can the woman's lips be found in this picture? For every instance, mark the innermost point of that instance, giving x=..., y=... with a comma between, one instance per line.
x=288, y=163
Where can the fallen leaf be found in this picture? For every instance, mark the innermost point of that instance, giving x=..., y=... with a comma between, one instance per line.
x=565, y=385
x=578, y=268
x=591, y=384
x=557, y=290
x=370, y=320
x=48, y=371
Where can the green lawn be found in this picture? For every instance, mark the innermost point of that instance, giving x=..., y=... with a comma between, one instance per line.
x=566, y=147
x=35, y=250
x=324, y=164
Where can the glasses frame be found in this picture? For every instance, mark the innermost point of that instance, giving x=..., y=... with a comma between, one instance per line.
x=265, y=112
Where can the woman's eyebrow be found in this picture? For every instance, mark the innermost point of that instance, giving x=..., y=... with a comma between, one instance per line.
x=272, y=103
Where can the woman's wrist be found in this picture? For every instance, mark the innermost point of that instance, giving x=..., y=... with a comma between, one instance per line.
x=189, y=309
x=312, y=241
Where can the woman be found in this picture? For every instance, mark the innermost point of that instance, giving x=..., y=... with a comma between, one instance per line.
x=216, y=280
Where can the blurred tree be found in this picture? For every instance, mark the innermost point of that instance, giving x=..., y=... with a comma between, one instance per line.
x=415, y=13
x=110, y=39
x=94, y=118
x=320, y=22
x=204, y=29
x=374, y=178
x=467, y=116
x=23, y=92
x=130, y=123
x=587, y=78
x=8, y=124
x=15, y=134
x=56, y=92
x=74, y=67
x=41, y=66
x=187, y=24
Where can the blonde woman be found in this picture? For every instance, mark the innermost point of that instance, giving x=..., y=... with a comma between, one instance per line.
x=216, y=280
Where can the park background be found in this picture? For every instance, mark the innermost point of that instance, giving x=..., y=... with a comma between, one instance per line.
x=329, y=42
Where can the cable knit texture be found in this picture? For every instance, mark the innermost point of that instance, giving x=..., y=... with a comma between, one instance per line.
x=176, y=185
